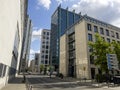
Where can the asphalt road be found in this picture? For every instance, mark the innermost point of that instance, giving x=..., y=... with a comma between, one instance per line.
x=40, y=82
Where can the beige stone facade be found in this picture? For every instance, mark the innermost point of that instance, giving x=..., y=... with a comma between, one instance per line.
x=84, y=30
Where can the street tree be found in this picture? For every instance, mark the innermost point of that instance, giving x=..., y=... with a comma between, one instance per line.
x=116, y=49
x=100, y=49
x=42, y=67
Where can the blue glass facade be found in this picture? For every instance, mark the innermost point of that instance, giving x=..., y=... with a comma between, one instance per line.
x=60, y=21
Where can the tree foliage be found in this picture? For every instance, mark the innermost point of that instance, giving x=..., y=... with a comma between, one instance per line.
x=42, y=67
x=116, y=49
x=100, y=49
x=49, y=68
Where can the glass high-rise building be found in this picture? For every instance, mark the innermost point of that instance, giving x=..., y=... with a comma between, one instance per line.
x=60, y=21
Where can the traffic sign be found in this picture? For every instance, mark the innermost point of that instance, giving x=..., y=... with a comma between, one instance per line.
x=112, y=61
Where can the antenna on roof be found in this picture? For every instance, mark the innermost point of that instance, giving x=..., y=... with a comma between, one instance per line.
x=67, y=8
x=59, y=5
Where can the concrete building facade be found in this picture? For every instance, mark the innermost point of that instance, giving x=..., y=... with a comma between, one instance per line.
x=12, y=19
x=25, y=51
x=75, y=58
x=45, y=47
x=37, y=59
x=32, y=66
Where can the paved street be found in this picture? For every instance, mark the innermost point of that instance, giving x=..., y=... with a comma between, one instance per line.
x=41, y=82
x=47, y=83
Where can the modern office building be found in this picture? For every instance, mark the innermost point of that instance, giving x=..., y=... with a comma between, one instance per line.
x=12, y=19
x=75, y=57
x=45, y=47
x=60, y=21
x=25, y=51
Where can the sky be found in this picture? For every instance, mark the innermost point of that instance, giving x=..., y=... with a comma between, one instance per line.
x=40, y=12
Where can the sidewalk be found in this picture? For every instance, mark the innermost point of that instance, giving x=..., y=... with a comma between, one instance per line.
x=15, y=84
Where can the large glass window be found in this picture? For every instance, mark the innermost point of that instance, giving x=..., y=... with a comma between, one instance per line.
x=91, y=59
x=89, y=27
x=101, y=31
x=95, y=29
x=72, y=54
x=77, y=17
x=71, y=18
x=107, y=32
x=89, y=37
x=112, y=34
x=46, y=61
x=90, y=49
x=72, y=46
x=44, y=33
x=71, y=37
x=117, y=35
x=47, y=33
x=63, y=21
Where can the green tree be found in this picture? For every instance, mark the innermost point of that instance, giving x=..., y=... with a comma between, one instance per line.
x=42, y=67
x=116, y=49
x=100, y=49
x=50, y=68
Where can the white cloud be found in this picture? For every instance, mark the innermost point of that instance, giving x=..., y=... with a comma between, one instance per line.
x=36, y=34
x=32, y=52
x=61, y=1
x=105, y=10
x=44, y=3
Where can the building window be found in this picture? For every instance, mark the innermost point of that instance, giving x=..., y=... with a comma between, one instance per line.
x=89, y=37
x=42, y=56
x=117, y=35
x=71, y=37
x=46, y=56
x=46, y=51
x=42, y=51
x=108, y=40
x=112, y=34
x=72, y=54
x=42, y=61
x=46, y=61
x=43, y=37
x=89, y=27
x=107, y=32
x=91, y=59
x=47, y=33
x=95, y=29
x=101, y=31
x=47, y=42
x=43, y=46
x=72, y=46
x=44, y=33
x=47, y=47
x=90, y=49
x=47, y=38
x=43, y=42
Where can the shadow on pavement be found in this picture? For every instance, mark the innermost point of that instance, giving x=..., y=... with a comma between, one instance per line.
x=16, y=80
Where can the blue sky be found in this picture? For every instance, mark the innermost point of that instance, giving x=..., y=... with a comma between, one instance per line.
x=40, y=12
